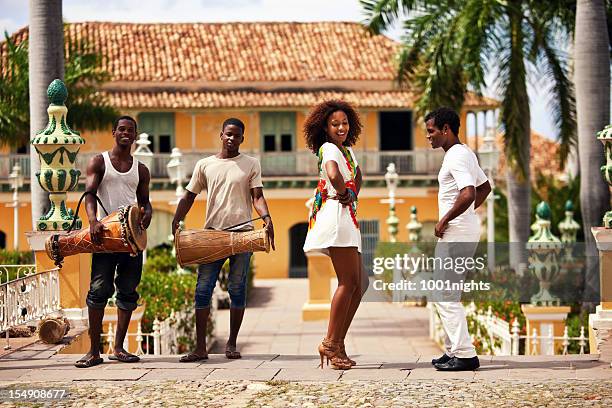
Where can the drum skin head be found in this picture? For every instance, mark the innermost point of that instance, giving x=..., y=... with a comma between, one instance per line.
x=139, y=235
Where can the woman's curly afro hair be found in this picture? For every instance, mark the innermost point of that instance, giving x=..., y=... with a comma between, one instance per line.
x=316, y=123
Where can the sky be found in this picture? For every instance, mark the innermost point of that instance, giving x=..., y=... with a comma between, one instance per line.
x=14, y=15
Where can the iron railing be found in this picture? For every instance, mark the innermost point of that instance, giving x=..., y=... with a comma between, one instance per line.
x=26, y=296
x=273, y=164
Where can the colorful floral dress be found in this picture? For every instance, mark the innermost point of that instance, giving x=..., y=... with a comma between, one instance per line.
x=330, y=223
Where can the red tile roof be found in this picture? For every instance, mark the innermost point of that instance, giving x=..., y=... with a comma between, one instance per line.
x=243, y=99
x=544, y=155
x=159, y=62
x=238, y=52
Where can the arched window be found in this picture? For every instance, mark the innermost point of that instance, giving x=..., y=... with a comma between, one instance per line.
x=2, y=240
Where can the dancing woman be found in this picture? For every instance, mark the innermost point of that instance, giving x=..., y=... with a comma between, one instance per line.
x=331, y=128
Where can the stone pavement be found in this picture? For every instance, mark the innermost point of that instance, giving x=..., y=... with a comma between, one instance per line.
x=279, y=368
x=286, y=380
x=273, y=324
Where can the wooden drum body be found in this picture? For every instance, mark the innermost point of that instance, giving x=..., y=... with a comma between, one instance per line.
x=122, y=233
x=206, y=246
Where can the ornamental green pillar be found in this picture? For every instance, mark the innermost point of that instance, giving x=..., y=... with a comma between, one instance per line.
x=57, y=146
x=544, y=316
x=414, y=226
x=600, y=322
x=544, y=249
x=605, y=137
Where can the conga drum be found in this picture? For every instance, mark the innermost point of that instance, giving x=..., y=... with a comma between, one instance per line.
x=205, y=246
x=122, y=233
x=51, y=330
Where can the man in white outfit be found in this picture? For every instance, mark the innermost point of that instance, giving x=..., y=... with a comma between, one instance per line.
x=463, y=188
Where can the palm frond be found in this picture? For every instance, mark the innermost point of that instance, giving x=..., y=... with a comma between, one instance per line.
x=554, y=63
x=87, y=108
x=515, y=114
x=380, y=14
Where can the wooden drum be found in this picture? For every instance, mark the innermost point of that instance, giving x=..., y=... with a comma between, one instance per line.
x=122, y=233
x=206, y=246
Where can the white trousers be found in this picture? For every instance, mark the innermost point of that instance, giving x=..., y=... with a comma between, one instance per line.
x=457, y=340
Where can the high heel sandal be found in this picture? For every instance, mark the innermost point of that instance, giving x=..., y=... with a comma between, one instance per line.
x=344, y=355
x=332, y=351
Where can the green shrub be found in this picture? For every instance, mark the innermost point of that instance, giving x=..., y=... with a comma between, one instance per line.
x=16, y=257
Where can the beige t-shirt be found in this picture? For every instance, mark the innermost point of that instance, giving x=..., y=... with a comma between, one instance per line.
x=228, y=183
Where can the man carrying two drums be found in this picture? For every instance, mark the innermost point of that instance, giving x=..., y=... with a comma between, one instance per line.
x=233, y=184
x=118, y=180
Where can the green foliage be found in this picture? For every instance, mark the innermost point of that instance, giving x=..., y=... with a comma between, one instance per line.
x=16, y=257
x=545, y=188
x=14, y=91
x=163, y=290
x=449, y=46
x=556, y=193
x=87, y=108
x=501, y=216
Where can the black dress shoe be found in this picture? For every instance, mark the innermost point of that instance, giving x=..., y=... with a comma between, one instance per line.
x=459, y=364
x=442, y=360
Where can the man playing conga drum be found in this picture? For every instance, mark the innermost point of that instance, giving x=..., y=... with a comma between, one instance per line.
x=233, y=184
x=118, y=180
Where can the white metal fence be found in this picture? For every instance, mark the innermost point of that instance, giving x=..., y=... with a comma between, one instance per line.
x=163, y=340
x=26, y=296
x=499, y=337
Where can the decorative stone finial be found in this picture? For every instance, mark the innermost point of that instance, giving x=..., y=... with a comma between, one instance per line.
x=414, y=226
x=569, y=227
x=57, y=146
x=543, y=248
x=57, y=92
x=543, y=211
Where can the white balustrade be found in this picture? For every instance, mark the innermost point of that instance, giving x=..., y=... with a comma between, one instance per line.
x=503, y=338
x=26, y=296
x=163, y=338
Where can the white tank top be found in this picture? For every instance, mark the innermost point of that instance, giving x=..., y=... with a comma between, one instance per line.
x=116, y=188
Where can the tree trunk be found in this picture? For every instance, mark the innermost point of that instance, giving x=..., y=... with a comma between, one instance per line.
x=592, y=81
x=516, y=117
x=46, y=60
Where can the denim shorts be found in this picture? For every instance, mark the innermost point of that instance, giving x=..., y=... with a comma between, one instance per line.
x=114, y=270
x=236, y=285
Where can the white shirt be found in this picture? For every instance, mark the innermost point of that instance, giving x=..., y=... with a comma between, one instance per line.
x=459, y=169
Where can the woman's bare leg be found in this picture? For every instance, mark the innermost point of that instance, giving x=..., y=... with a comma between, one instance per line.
x=346, y=264
x=355, y=300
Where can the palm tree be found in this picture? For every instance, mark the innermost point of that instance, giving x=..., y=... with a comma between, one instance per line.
x=450, y=45
x=592, y=79
x=46, y=63
x=88, y=110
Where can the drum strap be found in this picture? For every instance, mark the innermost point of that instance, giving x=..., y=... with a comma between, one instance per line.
x=246, y=222
x=76, y=214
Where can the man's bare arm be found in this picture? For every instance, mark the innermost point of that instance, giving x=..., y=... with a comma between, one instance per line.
x=182, y=209
x=482, y=192
x=261, y=206
x=95, y=172
x=142, y=195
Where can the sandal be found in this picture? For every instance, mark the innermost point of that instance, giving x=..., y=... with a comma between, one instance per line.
x=88, y=361
x=231, y=353
x=332, y=351
x=124, y=357
x=192, y=357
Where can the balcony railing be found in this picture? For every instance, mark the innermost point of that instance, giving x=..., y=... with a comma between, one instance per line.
x=274, y=164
